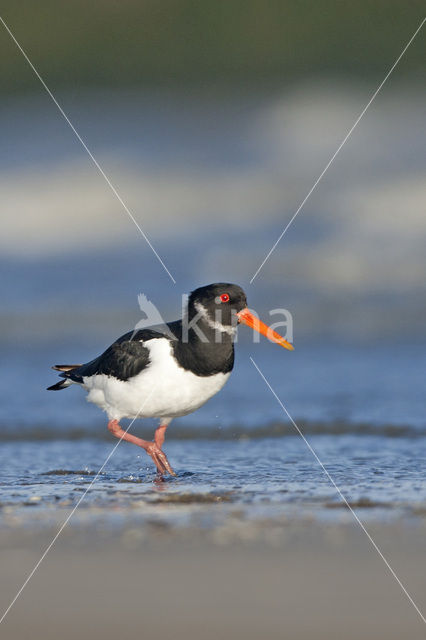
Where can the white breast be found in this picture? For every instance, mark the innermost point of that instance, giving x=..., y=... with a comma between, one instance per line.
x=162, y=390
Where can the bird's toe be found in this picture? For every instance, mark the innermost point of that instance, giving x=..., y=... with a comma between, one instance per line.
x=160, y=459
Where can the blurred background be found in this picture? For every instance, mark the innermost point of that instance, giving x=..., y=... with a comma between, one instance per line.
x=213, y=119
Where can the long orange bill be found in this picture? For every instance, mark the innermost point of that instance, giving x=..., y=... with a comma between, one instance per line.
x=247, y=317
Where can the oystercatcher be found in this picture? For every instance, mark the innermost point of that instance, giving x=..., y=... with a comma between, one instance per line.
x=170, y=372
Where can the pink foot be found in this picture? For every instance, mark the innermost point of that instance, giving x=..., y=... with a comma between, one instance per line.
x=159, y=458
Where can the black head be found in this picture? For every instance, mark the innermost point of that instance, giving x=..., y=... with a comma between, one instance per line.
x=220, y=301
x=208, y=329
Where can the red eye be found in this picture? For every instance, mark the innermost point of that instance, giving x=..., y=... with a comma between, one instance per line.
x=224, y=297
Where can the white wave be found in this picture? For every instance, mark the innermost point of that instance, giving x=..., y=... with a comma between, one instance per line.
x=364, y=227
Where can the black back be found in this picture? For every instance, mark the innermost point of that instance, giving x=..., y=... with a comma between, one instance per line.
x=125, y=358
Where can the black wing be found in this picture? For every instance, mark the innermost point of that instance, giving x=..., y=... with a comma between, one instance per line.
x=124, y=359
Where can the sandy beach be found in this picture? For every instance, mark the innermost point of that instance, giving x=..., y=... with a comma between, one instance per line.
x=288, y=579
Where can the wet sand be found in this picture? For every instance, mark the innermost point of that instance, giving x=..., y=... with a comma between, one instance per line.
x=293, y=579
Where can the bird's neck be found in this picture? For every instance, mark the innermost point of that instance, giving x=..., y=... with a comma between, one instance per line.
x=203, y=349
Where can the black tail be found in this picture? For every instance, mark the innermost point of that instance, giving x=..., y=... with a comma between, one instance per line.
x=62, y=384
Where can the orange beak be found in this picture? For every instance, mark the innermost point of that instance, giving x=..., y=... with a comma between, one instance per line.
x=246, y=317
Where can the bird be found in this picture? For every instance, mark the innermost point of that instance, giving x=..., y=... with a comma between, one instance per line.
x=168, y=372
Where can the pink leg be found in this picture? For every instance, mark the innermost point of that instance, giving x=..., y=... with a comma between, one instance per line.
x=153, y=449
x=160, y=434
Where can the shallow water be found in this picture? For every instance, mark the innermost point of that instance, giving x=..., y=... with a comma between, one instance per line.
x=252, y=479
